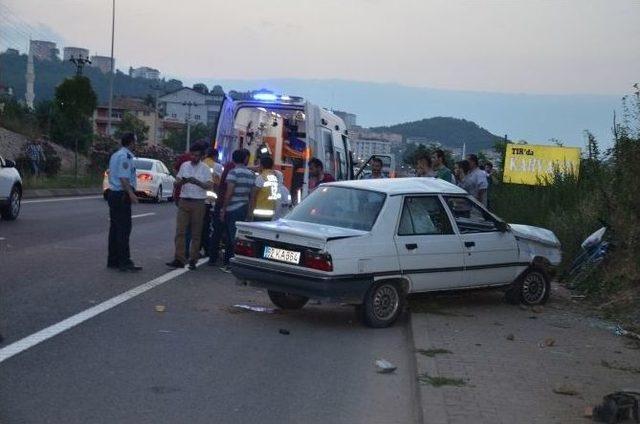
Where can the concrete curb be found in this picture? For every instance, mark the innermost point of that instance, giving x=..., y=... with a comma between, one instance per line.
x=432, y=403
x=60, y=192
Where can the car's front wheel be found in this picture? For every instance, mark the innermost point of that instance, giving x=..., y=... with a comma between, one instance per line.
x=286, y=300
x=11, y=211
x=383, y=304
x=531, y=288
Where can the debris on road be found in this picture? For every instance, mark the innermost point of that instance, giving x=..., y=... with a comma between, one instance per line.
x=565, y=389
x=432, y=352
x=384, y=366
x=160, y=308
x=284, y=331
x=511, y=337
x=425, y=379
x=523, y=307
x=548, y=342
x=263, y=309
x=538, y=309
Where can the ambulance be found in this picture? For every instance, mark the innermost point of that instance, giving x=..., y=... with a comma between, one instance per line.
x=289, y=129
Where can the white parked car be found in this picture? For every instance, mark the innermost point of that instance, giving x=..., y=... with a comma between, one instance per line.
x=10, y=190
x=372, y=242
x=154, y=180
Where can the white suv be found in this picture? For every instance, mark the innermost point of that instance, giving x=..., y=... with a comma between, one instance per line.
x=371, y=242
x=10, y=190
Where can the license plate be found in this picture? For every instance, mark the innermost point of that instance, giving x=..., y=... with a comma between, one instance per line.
x=281, y=255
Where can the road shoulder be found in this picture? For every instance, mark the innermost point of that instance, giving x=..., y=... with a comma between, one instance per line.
x=513, y=364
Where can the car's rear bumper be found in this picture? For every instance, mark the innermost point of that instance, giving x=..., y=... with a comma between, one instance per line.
x=337, y=288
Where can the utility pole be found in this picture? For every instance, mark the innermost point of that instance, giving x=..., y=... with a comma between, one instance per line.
x=79, y=62
x=113, y=25
x=189, y=104
x=156, y=89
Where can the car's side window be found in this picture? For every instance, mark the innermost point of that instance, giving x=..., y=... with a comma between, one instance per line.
x=423, y=215
x=470, y=217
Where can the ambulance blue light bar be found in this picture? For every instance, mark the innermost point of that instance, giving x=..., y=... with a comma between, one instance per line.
x=265, y=97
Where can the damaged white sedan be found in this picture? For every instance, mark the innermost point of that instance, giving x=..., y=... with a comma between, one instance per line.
x=371, y=242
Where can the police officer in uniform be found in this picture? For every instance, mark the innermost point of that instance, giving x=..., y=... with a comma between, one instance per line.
x=122, y=185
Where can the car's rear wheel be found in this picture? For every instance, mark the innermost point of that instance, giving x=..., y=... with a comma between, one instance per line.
x=531, y=288
x=287, y=300
x=383, y=304
x=11, y=211
x=158, y=197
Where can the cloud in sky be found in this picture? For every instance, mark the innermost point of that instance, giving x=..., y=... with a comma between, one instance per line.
x=570, y=46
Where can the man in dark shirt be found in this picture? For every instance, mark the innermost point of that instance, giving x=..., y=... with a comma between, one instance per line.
x=317, y=175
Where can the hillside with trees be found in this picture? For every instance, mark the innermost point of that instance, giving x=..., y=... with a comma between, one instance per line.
x=450, y=132
x=51, y=73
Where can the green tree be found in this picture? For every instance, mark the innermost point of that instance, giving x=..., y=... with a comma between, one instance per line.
x=73, y=107
x=177, y=139
x=130, y=123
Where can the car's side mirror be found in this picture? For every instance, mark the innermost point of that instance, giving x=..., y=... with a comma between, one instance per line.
x=9, y=163
x=502, y=226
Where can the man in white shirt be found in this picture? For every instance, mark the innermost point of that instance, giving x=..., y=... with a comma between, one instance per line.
x=194, y=179
x=476, y=180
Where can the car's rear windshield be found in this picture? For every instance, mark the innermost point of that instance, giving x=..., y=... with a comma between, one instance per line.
x=143, y=165
x=340, y=207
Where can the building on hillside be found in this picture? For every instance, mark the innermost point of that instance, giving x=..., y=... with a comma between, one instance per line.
x=12, y=52
x=134, y=106
x=418, y=140
x=102, y=62
x=348, y=118
x=144, y=72
x=186, y=103
x=363, y=149
x=75, y=52
x=43, y=50
x=364, y=133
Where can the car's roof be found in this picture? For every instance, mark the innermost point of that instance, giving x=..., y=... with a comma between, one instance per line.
x=403, y=185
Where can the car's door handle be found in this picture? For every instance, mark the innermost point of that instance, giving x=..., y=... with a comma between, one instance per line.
x=469, y=243
x=411, y=246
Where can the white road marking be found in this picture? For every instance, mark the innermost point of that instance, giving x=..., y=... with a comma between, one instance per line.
x=61, y=199
x=55, y=329
x=143, y=214
x=2, y=238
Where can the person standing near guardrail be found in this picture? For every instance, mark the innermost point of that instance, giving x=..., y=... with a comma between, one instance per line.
x=122, y=185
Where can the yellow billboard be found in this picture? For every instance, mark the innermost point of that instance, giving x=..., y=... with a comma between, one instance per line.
x=537, y=164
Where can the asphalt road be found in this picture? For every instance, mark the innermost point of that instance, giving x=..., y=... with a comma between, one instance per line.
x=199, y=361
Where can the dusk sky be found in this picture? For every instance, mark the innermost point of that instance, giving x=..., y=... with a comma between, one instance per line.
x=517, y=46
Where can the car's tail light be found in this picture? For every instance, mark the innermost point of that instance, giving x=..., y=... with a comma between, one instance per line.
x=245, y=248
x=317, y=260
x=145, y=177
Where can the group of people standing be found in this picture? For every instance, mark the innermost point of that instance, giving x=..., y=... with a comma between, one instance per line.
x=467, y=173
x=241, y=193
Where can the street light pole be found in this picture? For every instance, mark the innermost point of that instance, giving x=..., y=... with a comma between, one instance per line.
x=113, y=25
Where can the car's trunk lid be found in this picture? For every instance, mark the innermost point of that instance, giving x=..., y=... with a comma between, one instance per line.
x=295, y=233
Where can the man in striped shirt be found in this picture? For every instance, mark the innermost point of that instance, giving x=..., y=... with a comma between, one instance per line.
x=237, y=197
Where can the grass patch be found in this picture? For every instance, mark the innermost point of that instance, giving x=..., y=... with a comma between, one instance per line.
x=433, y=352
x=426, y=379
x=62, y=181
